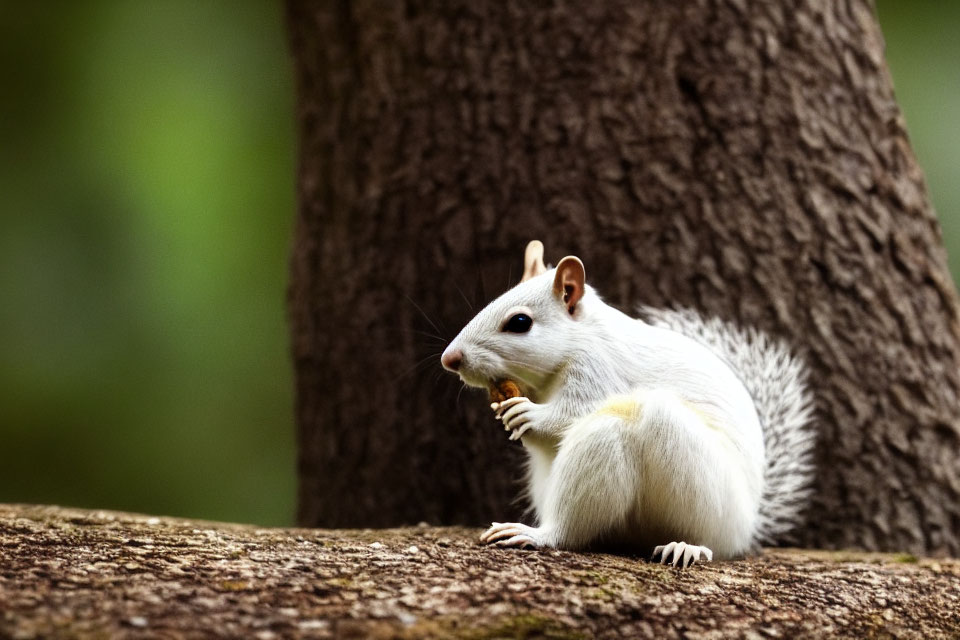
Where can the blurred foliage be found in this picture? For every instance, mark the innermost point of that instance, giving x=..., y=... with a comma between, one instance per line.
x=923, y=52
x=147, y=176
x=146, y=204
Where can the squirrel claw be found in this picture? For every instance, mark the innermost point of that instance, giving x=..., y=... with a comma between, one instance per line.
x=521, y=541
x=512, y=534
x=500, y=408
x=683, y=554
x=517, y=415
x=518, y=433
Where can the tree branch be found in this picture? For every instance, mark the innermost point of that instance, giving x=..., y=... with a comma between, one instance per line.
x=75, y=573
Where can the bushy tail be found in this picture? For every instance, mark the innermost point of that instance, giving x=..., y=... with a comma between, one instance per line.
x=777, y=382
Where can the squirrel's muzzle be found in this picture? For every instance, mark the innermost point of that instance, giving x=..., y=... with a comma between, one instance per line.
x=451, y=359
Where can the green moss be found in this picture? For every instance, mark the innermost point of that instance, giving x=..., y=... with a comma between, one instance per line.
x=905, y=557
x=599, y=594
x=599, y=577
x=524, y=626
x=233, y=585
x=343, y=583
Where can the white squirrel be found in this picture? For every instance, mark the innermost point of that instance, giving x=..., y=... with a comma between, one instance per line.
x=685, y=435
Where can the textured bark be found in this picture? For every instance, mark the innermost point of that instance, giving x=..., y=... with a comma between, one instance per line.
x=67, y=573
x=746, y=159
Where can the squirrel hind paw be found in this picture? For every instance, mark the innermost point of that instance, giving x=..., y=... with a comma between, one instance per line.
x=513, y=534
x=681, y=554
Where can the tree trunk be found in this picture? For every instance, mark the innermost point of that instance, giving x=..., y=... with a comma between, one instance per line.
x=745, y=159
x=69, y=573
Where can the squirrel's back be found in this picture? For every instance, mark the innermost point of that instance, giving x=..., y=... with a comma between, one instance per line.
x=777, y=382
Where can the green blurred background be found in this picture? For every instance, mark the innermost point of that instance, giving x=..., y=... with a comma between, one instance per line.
x=146, y=203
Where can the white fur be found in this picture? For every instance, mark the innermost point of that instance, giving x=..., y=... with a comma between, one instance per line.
x=777, y=381
x=636, y=433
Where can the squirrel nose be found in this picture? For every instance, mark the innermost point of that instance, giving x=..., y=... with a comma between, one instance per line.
x=451, y=359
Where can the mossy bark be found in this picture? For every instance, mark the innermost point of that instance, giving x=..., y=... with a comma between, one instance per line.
x=743, y=158
x=68, y=573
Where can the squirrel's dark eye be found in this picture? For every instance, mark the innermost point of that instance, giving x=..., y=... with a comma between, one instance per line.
x=519, y=323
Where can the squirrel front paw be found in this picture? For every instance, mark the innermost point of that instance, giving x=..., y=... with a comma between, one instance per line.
x=518, y=414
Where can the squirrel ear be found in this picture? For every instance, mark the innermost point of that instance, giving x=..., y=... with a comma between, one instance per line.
x=533, y=260
x=568, y=282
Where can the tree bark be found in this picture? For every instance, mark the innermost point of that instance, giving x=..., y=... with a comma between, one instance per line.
x=69, y=573
x=745, y=159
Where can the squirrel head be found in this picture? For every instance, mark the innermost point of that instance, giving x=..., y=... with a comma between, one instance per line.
x=527, y=333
